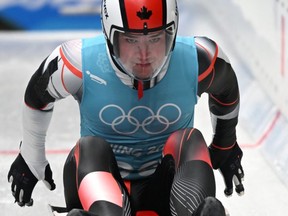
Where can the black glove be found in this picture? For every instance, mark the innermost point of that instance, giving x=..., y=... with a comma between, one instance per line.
x=229, y=164
x=23, y=181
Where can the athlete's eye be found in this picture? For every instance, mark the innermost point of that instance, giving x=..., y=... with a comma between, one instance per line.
x=130, y=40
x=154, y=40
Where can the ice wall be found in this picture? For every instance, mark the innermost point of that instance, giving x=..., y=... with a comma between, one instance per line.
x=255, y=33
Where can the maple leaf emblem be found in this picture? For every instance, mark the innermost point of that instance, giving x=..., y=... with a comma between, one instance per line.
x=144, y=13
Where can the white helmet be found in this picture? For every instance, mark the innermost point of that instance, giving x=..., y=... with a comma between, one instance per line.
x=140, y=34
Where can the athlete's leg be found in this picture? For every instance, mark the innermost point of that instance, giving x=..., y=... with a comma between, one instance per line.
x=92, y=180
x=69, y=181
x=194, y=179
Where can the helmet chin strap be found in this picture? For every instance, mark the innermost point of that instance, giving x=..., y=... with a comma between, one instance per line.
x=140, y=89
x=141, y=85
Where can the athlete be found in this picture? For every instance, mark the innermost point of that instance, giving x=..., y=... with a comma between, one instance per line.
x=137, y=85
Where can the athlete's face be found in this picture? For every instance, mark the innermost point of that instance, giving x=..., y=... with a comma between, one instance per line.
x=142, y=55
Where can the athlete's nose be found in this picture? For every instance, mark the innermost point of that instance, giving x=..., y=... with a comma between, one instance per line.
x=144, y=51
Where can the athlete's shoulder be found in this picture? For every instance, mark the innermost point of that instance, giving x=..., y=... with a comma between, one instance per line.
x=209, y=49
x=71, y=51
x=212, y=62
x=206, y=48
x=71, y=55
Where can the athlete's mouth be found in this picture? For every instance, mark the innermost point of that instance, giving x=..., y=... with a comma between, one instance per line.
x=143, y=64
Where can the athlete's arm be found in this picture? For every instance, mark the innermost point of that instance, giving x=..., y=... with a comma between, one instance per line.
x=52, y=81
x=217, y=78
x=58, y=76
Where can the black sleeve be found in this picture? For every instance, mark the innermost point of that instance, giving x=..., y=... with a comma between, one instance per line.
x=36, y=95
x=218, y=79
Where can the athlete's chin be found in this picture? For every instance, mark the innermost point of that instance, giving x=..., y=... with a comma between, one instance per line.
x=143, y=74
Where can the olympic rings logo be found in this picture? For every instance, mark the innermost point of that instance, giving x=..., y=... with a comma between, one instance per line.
x=140, y=117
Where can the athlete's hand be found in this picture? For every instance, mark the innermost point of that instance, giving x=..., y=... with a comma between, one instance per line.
x=229, y=164
x=23, y=181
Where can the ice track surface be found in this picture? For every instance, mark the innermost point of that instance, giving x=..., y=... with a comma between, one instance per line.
x=20, y=56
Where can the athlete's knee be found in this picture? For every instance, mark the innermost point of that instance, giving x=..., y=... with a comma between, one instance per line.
x=95, y=149
x=94, y=154
x=186, y=145
x=95, y=145
x=88, y=148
